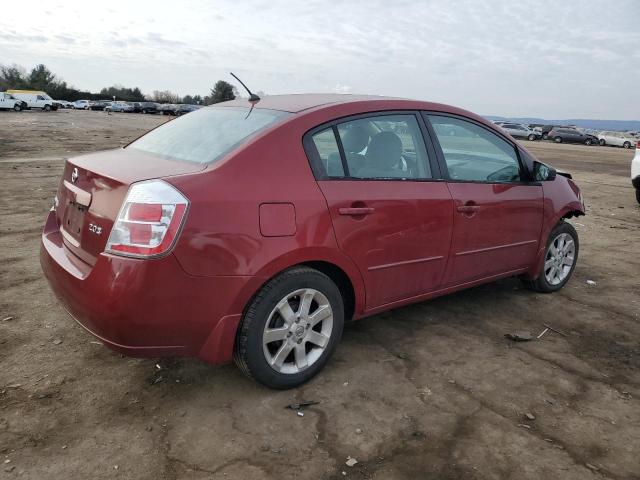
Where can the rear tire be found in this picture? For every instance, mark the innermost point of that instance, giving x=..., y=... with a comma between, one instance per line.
x=17, y=107
x=547, y=282
x=257, y=357
x=531, y=137
x=545, y=136
x=602, y=142
x=558, y=139
x=626, y=145
x=587, y=141
x=638, y=194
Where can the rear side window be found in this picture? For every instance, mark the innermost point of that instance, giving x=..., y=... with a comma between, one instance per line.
x=329, y=153
x=205, y=135
x=473, y=153
x=385, y=147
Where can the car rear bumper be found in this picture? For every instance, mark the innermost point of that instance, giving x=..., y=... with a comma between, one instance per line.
x=145, y=308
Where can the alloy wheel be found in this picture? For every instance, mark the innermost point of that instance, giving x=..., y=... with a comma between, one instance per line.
x=559, y=259
x=297, y=331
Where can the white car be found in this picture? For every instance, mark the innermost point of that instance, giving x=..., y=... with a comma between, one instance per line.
x=618, y=139
x=635, y=171
x=81, y=105
x=9, y=102
x=35, y=99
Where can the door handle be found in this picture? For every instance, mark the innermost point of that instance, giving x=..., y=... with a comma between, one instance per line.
x=356, y=211
x=469, y=209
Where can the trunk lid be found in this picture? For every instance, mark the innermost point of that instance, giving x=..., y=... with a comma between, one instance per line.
x=93, y=188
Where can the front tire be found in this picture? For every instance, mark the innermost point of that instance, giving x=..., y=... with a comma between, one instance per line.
x=602, y=142
x=558, y=139
x=531, y=137
x=587, y=141
x=560, y=258
x=627, y=145
x=47, y=108
x=17, y=107
x=638, y=194
x=290, y=329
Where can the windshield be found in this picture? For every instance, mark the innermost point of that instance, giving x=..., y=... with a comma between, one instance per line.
x=205, y=135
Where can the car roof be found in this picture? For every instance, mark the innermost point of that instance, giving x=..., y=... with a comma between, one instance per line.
x=295, y=103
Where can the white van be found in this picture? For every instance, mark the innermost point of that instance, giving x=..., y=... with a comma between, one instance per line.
x=35, y=99
x=9, y=102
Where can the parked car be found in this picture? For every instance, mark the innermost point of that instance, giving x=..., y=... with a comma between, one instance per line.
x=9, y=102
x=35, y=99
x=617, y=139
x=151, y=248
x=167, y=108
x=185, y=108
x=588, y=131
x=119, y=107
x=571, y=135
x=545, y=129
x=145, y=107
x=63, y=103
x=519, y=131
x=635, y=171
x=81, y=104
x=98, y=104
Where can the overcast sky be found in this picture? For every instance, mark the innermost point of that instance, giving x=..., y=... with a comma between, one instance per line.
x=553, y=59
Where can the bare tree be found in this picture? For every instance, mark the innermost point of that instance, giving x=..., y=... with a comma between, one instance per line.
x=165, y=96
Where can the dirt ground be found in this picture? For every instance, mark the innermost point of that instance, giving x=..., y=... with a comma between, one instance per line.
x=430, y=391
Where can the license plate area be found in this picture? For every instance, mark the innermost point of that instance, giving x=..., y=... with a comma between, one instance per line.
x=73, y=220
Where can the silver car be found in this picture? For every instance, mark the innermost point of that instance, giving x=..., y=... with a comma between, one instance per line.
x=617, y=139
x=519, y=131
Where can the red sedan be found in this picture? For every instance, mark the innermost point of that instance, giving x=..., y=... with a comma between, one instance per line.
x=255, y=233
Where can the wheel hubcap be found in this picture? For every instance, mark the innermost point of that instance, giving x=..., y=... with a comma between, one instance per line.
x=559, y=259
x=297, y=331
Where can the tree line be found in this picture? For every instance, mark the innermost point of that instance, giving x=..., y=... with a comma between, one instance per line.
x=41, y=78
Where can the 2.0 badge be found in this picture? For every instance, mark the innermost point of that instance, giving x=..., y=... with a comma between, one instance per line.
x=95, y=229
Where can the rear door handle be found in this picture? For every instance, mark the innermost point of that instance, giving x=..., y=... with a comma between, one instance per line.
x=468, y=208
x=356, y=211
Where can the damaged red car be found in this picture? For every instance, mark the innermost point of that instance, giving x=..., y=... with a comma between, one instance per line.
x=254, y=232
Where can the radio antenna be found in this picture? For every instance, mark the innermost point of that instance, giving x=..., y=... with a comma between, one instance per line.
x=252, y=96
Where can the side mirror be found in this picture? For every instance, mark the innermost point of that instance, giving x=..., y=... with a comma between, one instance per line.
x=543, y=173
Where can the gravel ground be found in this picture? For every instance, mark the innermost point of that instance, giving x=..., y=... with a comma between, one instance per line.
x=433, y=390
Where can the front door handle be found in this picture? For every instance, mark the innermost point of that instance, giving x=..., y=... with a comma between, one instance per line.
x=356, y=211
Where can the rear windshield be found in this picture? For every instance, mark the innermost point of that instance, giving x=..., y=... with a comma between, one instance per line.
x=205, y=135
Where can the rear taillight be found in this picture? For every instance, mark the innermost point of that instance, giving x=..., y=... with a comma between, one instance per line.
x=149, y=221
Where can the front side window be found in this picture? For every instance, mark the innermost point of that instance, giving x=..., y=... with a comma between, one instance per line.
x=205, y=135
x=473, y=153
